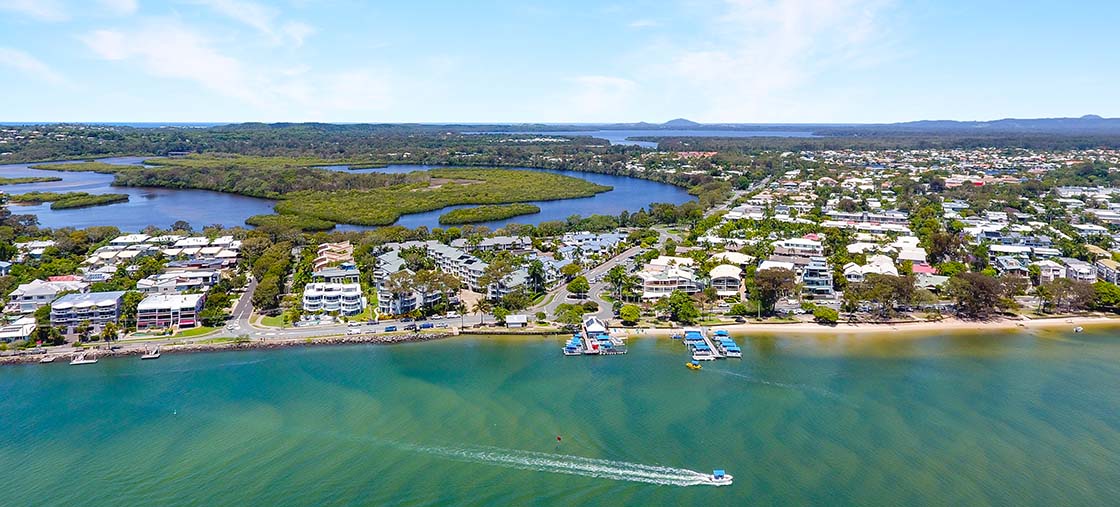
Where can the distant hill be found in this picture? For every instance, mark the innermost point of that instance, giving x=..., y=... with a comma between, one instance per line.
x=1087, y=123
x=681, y=123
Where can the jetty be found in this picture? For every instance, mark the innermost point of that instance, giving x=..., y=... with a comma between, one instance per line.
x=594, y=338
x=704, y=347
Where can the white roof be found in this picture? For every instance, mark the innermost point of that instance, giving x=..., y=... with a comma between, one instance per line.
x=165, y=301
x=733, y=258
x=195, y=241
x=775, y=265
x=726, y=271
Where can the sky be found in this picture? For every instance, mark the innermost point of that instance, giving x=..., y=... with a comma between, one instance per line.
x=742, y=61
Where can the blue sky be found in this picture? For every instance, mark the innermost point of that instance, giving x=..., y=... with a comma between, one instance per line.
x=771, y=61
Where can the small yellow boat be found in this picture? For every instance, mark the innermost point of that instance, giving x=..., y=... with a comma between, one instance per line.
x=694, y=365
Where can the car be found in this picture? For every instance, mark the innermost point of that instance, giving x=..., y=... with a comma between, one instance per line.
x=427, y=325
x=410, y=327
x=452, y=315
x=353, y=331
x=406, y=319
x=390, y=329
x=354, y=324
x=441, y=325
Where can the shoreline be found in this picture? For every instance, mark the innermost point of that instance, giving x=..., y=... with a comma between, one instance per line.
x=129, y=349
x=932, y=328
x=904, y=330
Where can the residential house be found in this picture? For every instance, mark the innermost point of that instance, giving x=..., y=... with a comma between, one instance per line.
x=1048, y=270
x=663, y=275
x=1007, y=265
x=31, y=296
x=816, y=280
x=1079, y=270
x=727, y=280
x=333, y=253
x=1108, y=270
x=20, y=329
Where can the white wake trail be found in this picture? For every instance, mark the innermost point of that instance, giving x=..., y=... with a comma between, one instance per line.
x=568, y=464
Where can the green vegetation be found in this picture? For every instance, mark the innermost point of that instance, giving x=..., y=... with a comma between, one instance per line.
x=272, y=321
x=29, y=179
x=97, y=167
x=69, y=199
x=447, y=187
x=306, y=224
x=196, y=331
x=486, y=213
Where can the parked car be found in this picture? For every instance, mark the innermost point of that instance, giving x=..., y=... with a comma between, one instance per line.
x=441, y=324
x=353, y=331
x=410, y=327
x=406, y=319
x=354, y=324
x=390, y=329
x=427, y=325
x=452, y=315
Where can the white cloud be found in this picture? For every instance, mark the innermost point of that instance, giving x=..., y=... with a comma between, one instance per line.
x=29, y=65
x=764, y=50
x=43, y=10
x=644, y=23
x=120, y=7
x=262, y=18
x=597, y=98
x=168, y=49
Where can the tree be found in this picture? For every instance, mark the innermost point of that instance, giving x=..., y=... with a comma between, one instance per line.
x=617, y=278
x=181, y=225
x=681, y=308
x=482, y=307
x=976, y=294
x=771, y=284
x=536, y=274
x=825, y=315
x=579, y=286
x=1065, y=295
x=630, y=314
x=739, y=310
x=83, y=328
x=1106, y=296
x=129, y=303
x=568, y=314
x=570, y=270
x=109, y=332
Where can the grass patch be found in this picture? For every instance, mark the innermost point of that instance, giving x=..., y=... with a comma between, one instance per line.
x=196, y=331
x=97, y=167
x=68, y=200
x=486, y=213
x=272, y=321
x=29, y=179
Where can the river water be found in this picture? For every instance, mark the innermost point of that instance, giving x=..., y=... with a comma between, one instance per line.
x=163, y=206
x=1005, y=419
x=624, y=137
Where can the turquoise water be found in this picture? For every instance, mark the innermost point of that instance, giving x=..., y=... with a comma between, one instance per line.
x=1008, y=419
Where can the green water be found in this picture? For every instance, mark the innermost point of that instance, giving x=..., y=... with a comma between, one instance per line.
x=1010, y=419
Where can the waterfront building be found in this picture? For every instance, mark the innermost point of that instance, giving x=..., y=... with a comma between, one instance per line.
x=20, y=329
x=178, y=282
x=664, y=275
x=168, y=310
x=33, y=295
x=344, y=298
x=727, y=280
x=816, y=279
x=346, y=272
x=1079, y=270
x=97, y=308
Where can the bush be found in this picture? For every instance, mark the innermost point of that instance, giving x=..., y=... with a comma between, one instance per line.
x=825, y=315
x=630, y=314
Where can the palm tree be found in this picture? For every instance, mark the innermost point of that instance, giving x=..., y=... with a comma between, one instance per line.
x=536, y=275
x=482, y=307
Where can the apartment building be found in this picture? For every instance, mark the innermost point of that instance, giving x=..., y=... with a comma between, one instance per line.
x=97, y=308
x=35, y=294
x=169, y=310
x=332, y=253
x=816, y=280
x=727, y=280
x=1108, y=270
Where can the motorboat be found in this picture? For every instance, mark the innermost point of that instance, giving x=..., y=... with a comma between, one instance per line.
x=694, y=365
x=151, y=354
x=47, y=359
x=718, y=478
x=82, y=359
x=1078, y=329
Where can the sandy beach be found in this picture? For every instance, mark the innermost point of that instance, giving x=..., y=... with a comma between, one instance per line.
x=951, y=325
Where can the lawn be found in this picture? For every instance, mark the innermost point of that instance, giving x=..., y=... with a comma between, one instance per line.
x=197, y=331
x=272, y=321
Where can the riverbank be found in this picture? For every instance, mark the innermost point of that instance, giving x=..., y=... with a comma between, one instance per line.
x=907, y=328
x=135, y=349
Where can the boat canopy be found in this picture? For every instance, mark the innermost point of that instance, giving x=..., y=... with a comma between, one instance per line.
x=718, y=474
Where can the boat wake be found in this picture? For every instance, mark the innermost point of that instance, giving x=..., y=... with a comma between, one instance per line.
x=799, y=387
x=568, y=464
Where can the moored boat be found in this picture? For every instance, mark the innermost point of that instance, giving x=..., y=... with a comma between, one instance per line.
x=47, y=359
x=694, y=365
x=151, y=354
